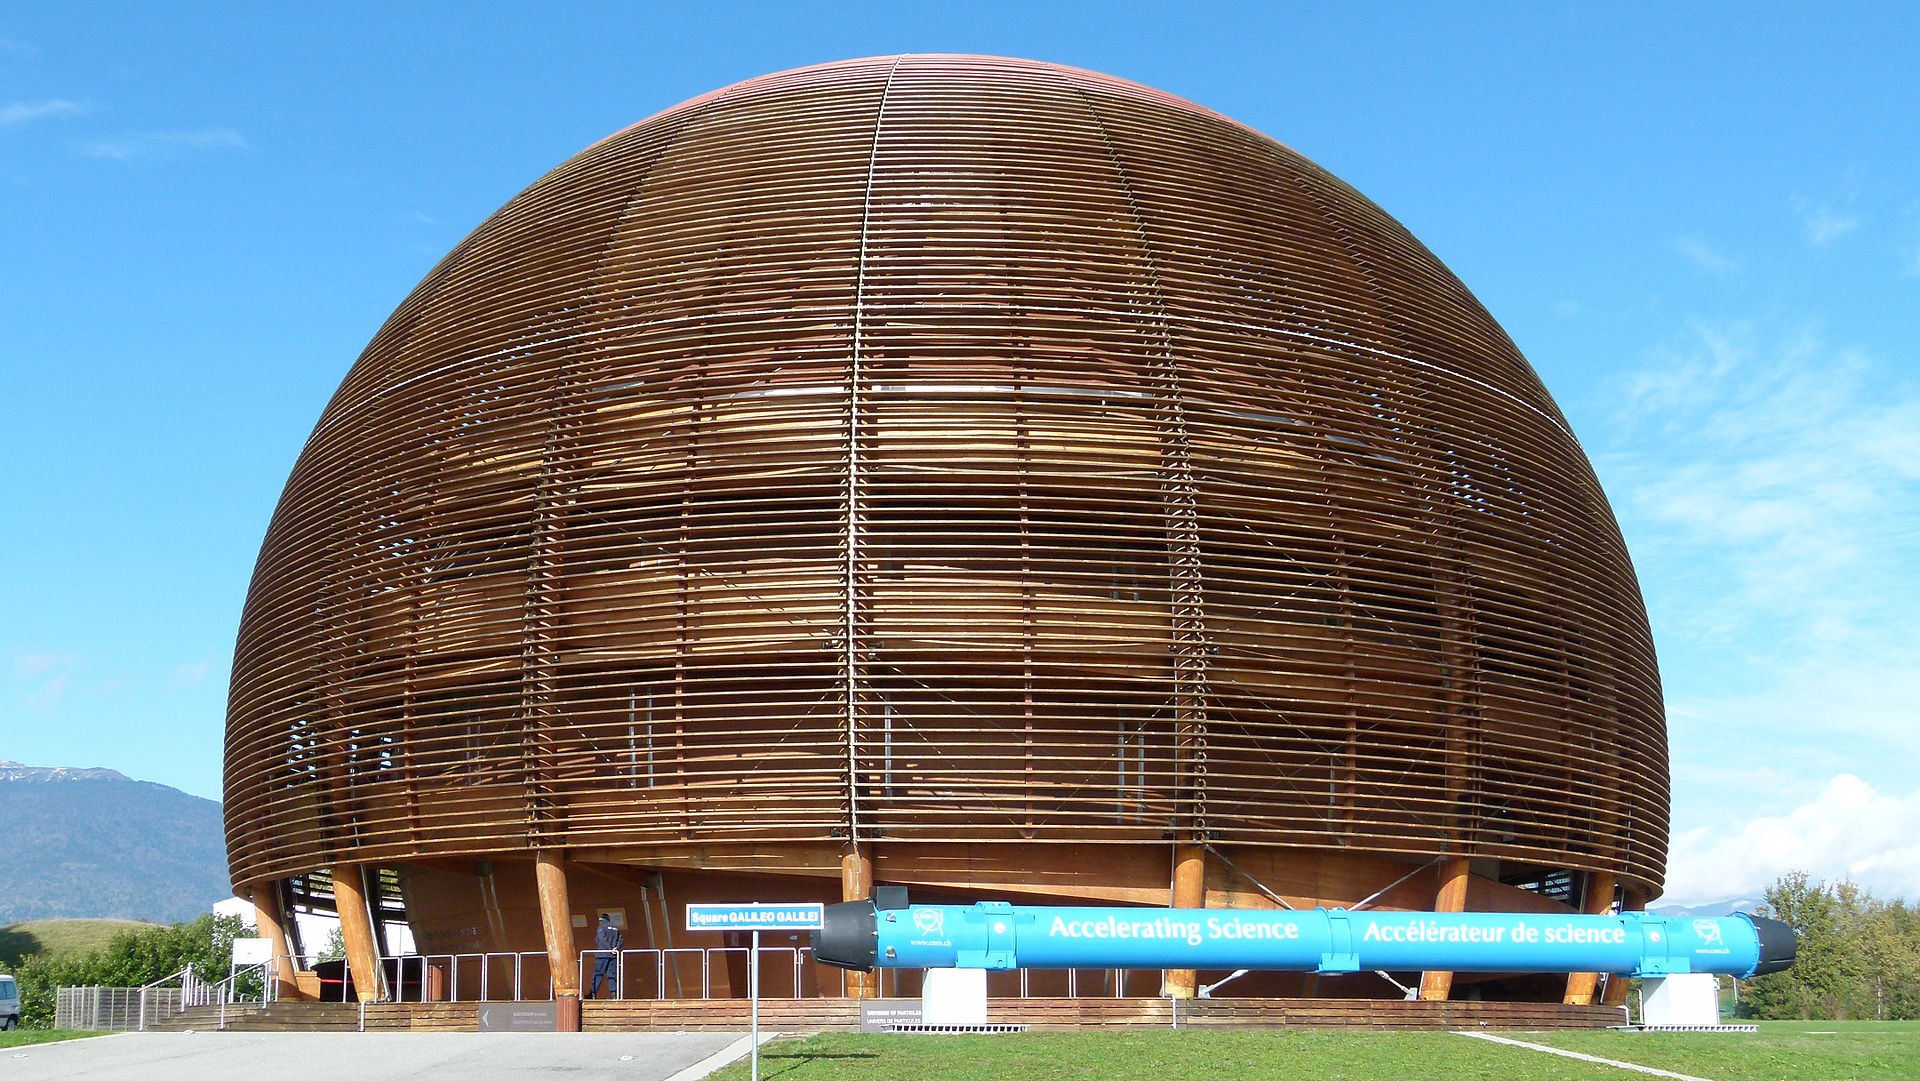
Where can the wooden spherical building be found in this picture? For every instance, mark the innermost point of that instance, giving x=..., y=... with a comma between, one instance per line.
x=974, y=474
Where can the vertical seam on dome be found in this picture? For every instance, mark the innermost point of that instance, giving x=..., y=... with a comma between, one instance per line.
x=853, y=468
x=546, y=553
x=1186, y=586
x=1464, y=815
x=338, y=819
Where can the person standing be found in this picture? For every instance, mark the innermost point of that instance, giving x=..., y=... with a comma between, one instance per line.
x=606, y=943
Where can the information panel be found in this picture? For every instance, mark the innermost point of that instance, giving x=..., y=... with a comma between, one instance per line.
x=757, y=916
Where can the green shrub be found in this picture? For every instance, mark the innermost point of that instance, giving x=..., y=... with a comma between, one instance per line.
x=132, y=959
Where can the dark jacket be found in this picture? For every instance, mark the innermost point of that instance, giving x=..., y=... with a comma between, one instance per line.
x=608, y=937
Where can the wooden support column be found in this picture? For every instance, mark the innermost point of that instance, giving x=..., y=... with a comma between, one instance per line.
x=271, y=926
x=1450, y=897
x=556, y=920
x=1189, y=891
x=1633, y=899
x=856, y=884
x=1580, y=985
x=356, y=930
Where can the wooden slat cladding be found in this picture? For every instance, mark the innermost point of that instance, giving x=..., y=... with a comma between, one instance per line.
x=950, y=450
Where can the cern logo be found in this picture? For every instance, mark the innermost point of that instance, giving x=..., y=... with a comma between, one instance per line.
x=1709, y=932
x=929, y=921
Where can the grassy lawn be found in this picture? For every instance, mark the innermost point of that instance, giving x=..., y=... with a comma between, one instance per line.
x=1780, y=1052
x=1819, y=1050
x=1194, y=1055
x=24, y=1036
x=60, y=938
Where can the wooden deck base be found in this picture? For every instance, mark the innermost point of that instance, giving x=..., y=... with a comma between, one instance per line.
x=843, y=1015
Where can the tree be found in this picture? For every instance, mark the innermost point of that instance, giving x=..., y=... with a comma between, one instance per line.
x=335, y=947
x=1814, y=985
x=1890, y=944
x=1859, y=957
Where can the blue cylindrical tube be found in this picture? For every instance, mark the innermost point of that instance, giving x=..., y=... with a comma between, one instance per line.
x=997, y=935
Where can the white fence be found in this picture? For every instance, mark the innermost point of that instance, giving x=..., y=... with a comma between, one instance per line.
x=128, y=1009
x=112, y=1009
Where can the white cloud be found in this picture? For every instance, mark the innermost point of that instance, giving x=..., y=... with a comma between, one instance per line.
x=1705, y=256
x=49, y=692
x=1848, y=830
x=1770, y=490
x=23, y=112
x=1759, y=747
x=28, y=664
x=43, y=676
x=192, y=673
x=1792, y=474
x=1823, y=225
x=1682, y=377
x=1825, y=220
x=163, y=144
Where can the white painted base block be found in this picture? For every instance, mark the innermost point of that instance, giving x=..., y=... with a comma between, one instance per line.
x=1689, y=999
x=954, y=996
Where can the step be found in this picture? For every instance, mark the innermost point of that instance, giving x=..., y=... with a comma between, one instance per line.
x=278, y=1017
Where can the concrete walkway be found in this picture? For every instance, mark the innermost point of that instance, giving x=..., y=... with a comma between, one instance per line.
x=453, y=1056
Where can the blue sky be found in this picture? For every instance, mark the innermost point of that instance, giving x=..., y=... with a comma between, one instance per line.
x=1701, y=226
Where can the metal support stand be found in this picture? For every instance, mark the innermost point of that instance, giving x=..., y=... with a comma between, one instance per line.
x=753, y=998
x=1207, y=991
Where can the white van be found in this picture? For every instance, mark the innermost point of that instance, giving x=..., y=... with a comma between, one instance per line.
x=9, y=1003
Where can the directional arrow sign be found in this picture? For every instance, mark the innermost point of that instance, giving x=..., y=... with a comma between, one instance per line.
x=756, y=916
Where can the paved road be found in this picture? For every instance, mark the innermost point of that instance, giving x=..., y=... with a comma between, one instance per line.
x=428, y=1056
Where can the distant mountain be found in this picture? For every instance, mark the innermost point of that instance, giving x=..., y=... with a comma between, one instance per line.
x=93, y=843
x=1713, y=908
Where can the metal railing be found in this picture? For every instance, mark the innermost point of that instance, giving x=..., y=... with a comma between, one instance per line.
x=500, y=976
x=237, y=989
x=651, y=966
x=674, y=973
x=165, y=1005
x=419, y=973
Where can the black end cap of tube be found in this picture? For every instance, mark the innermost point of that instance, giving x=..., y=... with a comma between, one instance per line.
x=847, y=936
x=889, y=898
x=1778, y=945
